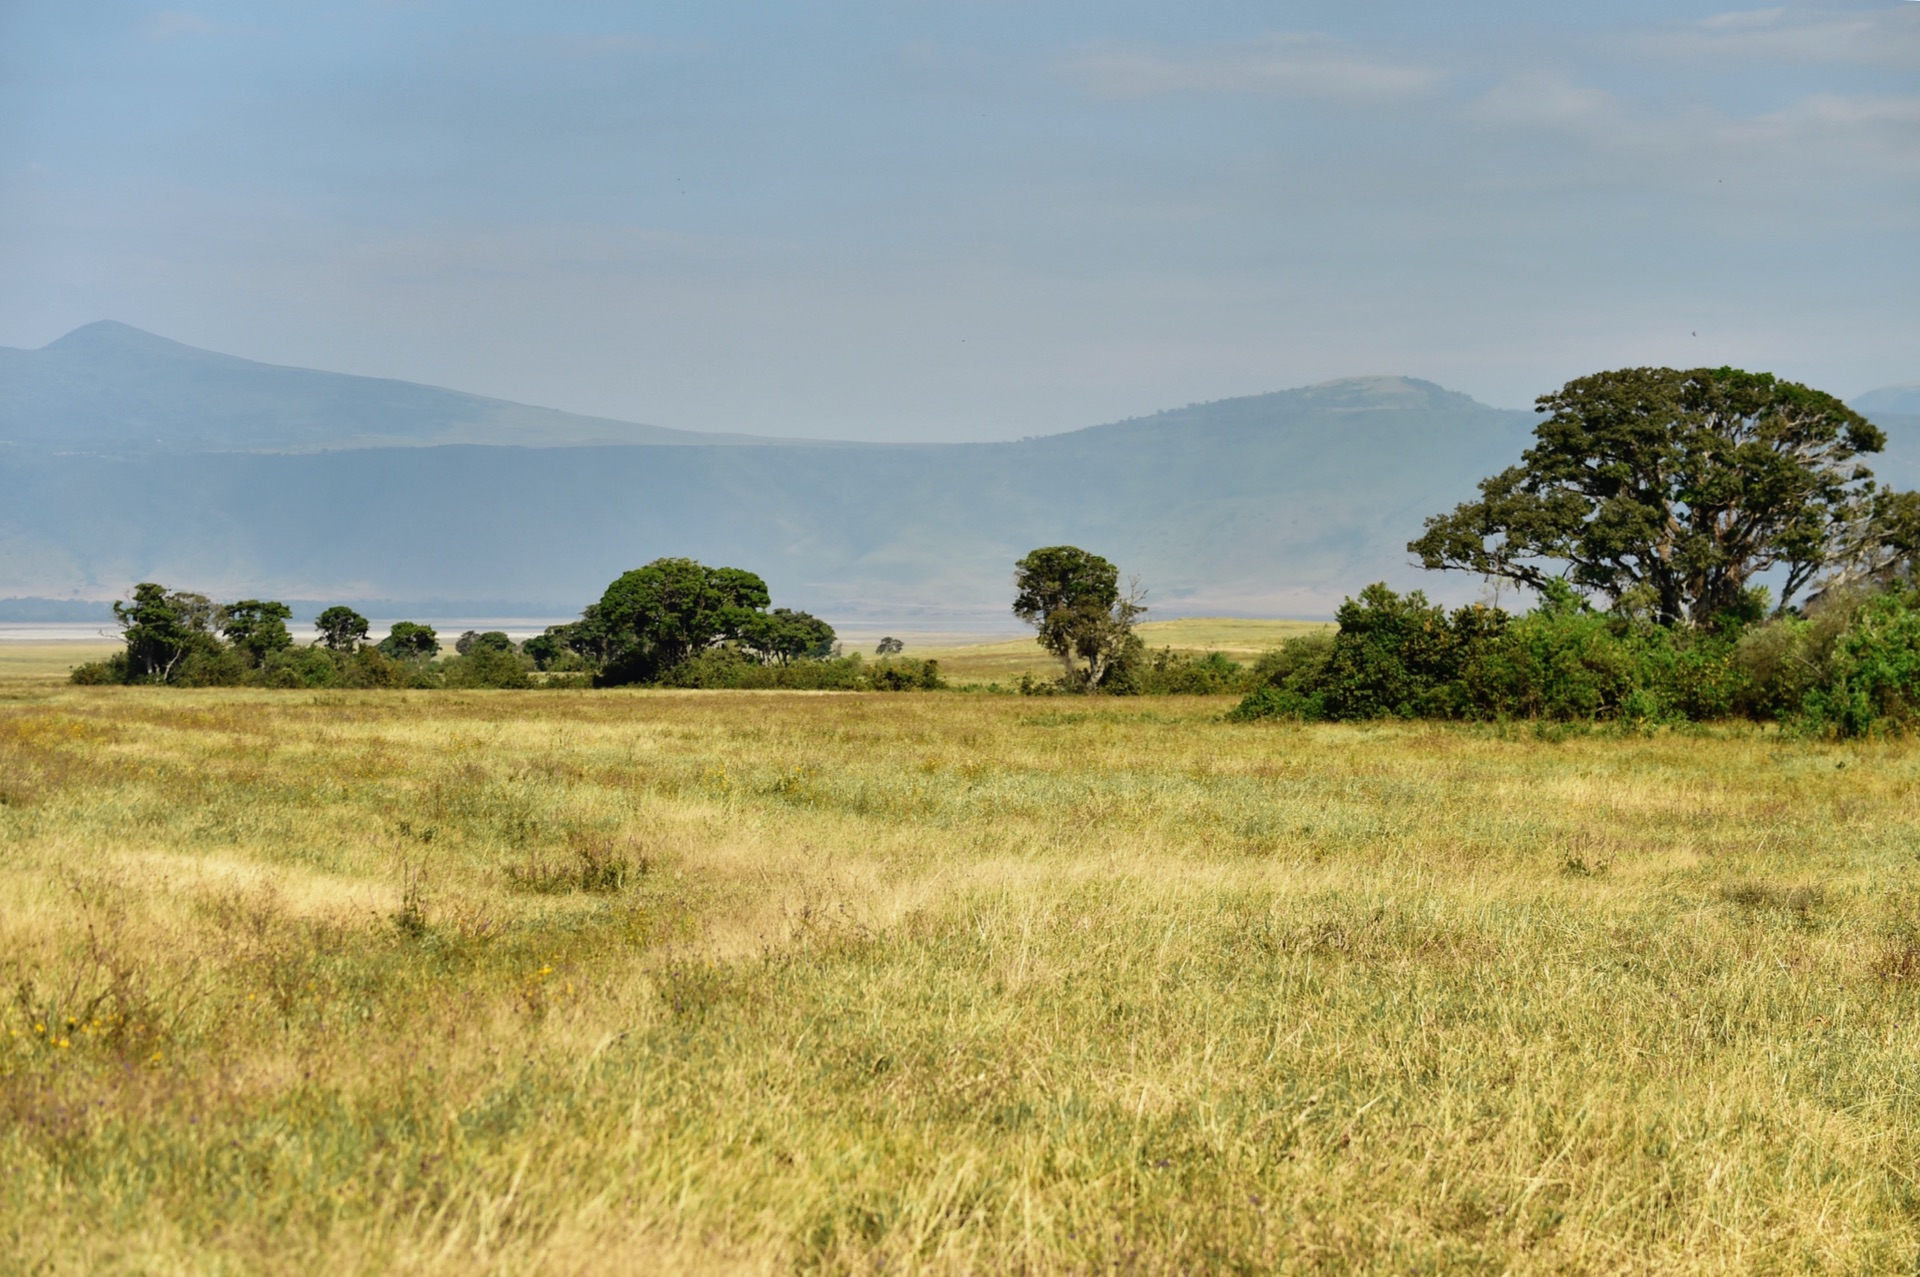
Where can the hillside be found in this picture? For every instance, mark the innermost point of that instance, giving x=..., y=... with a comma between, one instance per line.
x=132, y=457
x=1903, y=401
x=114, y=389
x=1276, y=504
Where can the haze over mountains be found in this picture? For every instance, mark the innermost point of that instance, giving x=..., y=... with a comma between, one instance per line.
x=126, y=457
x=1903, y=401
x=109, y=387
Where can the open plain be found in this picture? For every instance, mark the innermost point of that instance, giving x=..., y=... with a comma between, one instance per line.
x=606, y=982
x=1003, y=660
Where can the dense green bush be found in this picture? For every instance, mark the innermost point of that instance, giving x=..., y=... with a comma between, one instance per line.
x=486, y=663
x=1872, y=683
x=1852, y=667
x=1171, y=673
x=99, y=673
x=1288, y=681
x=729, y=667
x=905, y=675
x=1781, y=662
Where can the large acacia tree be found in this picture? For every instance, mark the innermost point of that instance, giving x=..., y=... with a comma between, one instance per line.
x=1074, y=600
x=1675, y=487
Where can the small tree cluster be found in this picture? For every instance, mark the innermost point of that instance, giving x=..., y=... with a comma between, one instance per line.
x=654, y=620
x=179, y=637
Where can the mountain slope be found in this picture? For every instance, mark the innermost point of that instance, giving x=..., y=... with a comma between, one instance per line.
x=113, y=389
x=1902, y=401
x=1278, y=503
x=135, y=458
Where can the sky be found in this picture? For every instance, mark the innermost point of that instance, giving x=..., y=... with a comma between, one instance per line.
x=968, y=219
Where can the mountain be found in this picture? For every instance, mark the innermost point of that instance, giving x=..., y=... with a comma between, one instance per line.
x=129, y=457
x=115, y=389
x=1896, y=410
x=1278, y=504
x=1902, y=401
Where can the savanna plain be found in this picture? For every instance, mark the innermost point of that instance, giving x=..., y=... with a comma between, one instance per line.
x=579, y=982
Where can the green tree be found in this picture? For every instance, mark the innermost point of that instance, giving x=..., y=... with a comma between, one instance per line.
x=162, y=628
x=1679, y=487
x=408, y=641
x=256, y=627
x=1882, y=548
x=491, y=640
x=1872, y=686
x=341, y=628
x=783, y=636
x=590, y=638
x=486, y=664
x=654, y=617
x=889, y=646
x=546, y=648
x=1074, y=600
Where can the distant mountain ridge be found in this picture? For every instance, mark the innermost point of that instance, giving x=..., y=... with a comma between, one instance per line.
x=1901, y=401
x=129, y=457
x=135, y=458
x=109, y=387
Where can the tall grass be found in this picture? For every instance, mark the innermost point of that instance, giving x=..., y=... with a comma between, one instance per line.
x=567, y=982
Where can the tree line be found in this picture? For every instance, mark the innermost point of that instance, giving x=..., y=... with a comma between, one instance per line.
x=1699, y=543
x=674, y=622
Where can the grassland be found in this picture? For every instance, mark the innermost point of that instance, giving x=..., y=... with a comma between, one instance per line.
x=614, y=982
x=48, y=662
x=1004, y=661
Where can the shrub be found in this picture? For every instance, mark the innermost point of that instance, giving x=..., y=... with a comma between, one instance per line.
x=728, y=667
x=222, y=667
x=301, y=667
x=1401, y=657
x=1291, y=677
x=905, y=676
x=100, y=673
x=1872, y=685
x=1561, y=661
x=487, y=665
x=371, y=667
x=1170, y=673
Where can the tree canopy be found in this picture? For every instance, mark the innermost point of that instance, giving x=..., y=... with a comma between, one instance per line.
x=410, y=641
x=485, y=640
x=1074, y=600
x=162, y=627
x=783, y=636
x=341, y=628
x=256, y=627
x=1676, y=489
x=654, y=617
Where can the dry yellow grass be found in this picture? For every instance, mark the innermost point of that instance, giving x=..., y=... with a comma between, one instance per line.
x=611, y=982
x=48, y=662
x=1004, y=661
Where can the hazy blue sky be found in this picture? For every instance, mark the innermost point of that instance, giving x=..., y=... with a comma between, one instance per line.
x=945, y=220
